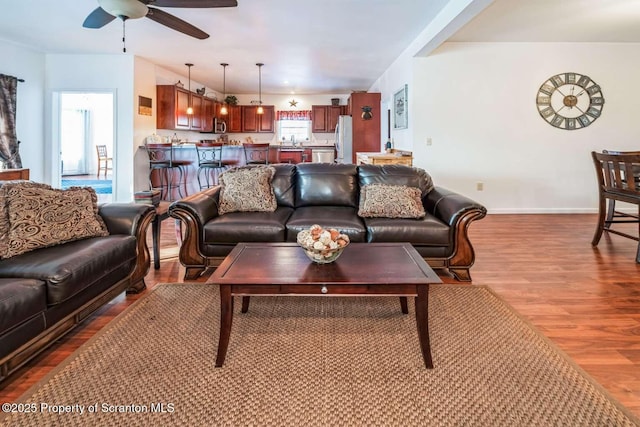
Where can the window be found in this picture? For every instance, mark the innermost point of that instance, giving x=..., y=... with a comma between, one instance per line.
x=300, y=130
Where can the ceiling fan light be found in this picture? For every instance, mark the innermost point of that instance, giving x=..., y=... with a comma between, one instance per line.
x=127, y=8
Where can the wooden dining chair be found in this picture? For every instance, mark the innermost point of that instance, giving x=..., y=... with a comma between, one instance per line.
x=103, y=158
x=611, y=206
x=618, y=176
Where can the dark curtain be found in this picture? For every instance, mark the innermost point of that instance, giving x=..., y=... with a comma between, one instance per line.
x=9, y=154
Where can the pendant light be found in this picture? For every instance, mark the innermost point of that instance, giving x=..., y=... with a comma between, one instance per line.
x=260, y=109
x=224, y=110
x=189, y=108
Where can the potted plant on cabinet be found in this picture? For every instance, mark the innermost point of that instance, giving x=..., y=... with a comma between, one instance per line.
x=231, y=100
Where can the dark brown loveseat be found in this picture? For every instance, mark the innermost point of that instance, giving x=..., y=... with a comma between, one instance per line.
x=45, y=292
x=328, y=194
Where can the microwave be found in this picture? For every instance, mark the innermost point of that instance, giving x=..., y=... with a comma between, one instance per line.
x=219, y=126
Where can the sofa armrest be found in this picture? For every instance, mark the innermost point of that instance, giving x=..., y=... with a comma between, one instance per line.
x=194, y=212
x=132, y=219
x=449, y=206
x=124, y=218
x=202, y=206
x=458, y=212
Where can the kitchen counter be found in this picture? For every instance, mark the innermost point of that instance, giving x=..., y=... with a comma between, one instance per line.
x=395, y=157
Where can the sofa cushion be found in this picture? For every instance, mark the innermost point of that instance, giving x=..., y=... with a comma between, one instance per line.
x=395, y=175
x=247, y=190
x=390, y=201
x=69, y=268
x=342, y=218
x=247, y=227
x=425, y=231
x=327, y=184
x=283, y=184
x=40, y=217
x=20, y=300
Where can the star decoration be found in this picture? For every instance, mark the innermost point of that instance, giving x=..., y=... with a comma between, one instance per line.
x=293, y=103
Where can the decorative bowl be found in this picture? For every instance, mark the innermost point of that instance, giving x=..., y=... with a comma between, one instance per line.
x=322, y=246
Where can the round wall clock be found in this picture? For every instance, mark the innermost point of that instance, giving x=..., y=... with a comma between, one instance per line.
x=570, y=101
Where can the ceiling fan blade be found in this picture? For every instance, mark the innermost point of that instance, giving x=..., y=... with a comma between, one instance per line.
x=175, y=23
x=192, y=3
x=98, y=19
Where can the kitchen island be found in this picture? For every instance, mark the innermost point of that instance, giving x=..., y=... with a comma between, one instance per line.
x=231, y=154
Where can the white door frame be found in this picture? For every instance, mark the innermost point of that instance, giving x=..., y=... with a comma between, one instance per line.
x=56, y=145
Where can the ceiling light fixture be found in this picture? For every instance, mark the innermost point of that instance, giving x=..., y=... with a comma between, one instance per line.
x=124, y=9
x=260, y=109
x=189, y=108
x=223, y=109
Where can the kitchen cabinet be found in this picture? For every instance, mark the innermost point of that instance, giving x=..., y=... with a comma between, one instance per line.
x=208, y=114
x=324, y=118
x=251, y=121
x=318, y=118
x=289, y=155
x=267, y=119
x=234, y=118
x=250, y=118
x=172, y=114
x=196, y=120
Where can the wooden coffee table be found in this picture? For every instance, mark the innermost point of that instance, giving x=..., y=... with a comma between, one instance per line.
x=386, y=269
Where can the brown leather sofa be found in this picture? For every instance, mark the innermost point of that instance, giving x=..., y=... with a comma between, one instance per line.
x=328, y=194
x=46, y=292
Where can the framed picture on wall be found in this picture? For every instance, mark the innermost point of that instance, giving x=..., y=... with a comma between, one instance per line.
x=401, y=108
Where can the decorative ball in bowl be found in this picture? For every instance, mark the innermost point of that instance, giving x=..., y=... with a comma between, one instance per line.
x=322, y=246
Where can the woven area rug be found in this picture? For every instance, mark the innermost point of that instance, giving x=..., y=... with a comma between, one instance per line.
x=102, y=186
x=313, y=361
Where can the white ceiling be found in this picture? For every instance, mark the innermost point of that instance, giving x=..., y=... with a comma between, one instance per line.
x=316, y=46
x=606, y=21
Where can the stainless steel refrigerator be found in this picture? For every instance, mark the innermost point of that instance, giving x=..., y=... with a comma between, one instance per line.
x=344, y=140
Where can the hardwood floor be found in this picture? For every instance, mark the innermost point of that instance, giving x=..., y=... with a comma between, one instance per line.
x=586, y=300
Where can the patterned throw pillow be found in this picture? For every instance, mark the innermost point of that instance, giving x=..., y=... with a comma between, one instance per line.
x=41, y=216
x=5, y=226
x=390, y=201
x=247, y=190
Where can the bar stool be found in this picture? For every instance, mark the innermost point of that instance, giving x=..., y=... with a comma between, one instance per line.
x=256, y=154
x=161, y=159
x=210, y=160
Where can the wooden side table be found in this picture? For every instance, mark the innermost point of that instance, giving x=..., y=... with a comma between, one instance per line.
x=11, y=174
x=162, y=213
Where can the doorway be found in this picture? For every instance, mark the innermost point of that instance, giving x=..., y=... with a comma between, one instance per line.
x=85, y=120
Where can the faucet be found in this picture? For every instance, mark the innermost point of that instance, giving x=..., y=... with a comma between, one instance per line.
x=293, y=140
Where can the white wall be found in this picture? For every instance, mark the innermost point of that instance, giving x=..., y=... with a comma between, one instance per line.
x=96, y=73
x=477, y=103
x=29, y=65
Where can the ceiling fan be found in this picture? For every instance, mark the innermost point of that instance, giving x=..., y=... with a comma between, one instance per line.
x=134, y=9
